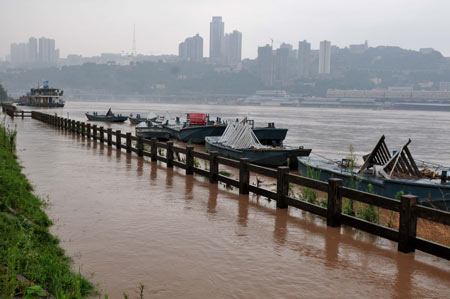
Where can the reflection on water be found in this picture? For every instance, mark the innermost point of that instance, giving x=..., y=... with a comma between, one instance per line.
x=130, y=221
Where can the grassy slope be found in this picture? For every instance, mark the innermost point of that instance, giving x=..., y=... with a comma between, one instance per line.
x=26, y=246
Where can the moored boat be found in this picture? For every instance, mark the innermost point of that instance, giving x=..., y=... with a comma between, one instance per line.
x=270, y=135
x=385, y=174
x=138, y=119
x=196, y=128
x=43, y=96
x=108, y=117
x=148, y=131
x=239, y=141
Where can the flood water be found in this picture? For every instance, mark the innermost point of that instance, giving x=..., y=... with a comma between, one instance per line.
x=127, y=221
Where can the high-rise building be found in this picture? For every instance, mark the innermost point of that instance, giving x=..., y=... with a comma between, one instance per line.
x=32, y=50
x=191, y=49
x=232, y=48
x=265, y=64
x=216, y=34
x=34, y=53
x=304, y=58
x=19, y=53
x=281, y=60
x=324, y=57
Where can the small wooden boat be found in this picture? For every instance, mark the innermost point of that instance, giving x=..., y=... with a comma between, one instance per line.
x=138, y=119
x=108, y=117
x=385, y=174
x=148, y=131
x=239, y=141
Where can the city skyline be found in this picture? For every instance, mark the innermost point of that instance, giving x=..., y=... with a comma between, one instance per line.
x=84, y=34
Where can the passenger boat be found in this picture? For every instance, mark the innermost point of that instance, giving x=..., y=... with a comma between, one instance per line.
x=44, y=96
x=239, y=141
x=387, y=175
x=196, y=128
x=108, y=117
x=148, y=131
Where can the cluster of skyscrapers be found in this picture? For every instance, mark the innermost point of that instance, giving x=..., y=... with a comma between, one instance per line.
x=34, y=52
x=224, y=48
x=283, y=64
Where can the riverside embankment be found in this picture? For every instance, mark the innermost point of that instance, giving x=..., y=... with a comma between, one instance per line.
x=29, y=254
x=128, y=221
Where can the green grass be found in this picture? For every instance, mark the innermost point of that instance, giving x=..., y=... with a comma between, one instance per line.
x=26, y=246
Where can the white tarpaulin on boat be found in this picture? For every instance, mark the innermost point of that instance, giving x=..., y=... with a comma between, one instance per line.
x=239, y=135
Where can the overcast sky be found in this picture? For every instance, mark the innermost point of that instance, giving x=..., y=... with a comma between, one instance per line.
x=91, y=27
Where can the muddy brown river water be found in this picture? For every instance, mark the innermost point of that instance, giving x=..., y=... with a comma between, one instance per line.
x=127, y=221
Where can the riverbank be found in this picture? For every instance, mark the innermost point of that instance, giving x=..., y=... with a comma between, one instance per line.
x=31, y=260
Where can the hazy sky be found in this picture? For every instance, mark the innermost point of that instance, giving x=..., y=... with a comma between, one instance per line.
x=91, y=27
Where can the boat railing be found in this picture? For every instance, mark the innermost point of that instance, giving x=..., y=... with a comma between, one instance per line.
x=407, y=208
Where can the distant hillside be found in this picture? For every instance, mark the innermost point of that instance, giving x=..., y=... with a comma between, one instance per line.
x=379, y=67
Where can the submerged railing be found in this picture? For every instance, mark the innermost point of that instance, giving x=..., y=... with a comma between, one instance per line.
x=407, y=206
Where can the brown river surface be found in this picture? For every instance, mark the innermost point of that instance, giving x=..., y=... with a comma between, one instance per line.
x=127, y=221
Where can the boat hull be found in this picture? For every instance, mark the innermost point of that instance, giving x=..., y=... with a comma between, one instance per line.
x=429, y=193
x=270, y=136
x=153, y=132
x=270, y=157
x=116, y=119
x=136, y=120
x=196, y=135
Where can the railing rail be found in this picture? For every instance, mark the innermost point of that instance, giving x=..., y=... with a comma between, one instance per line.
x=407, y=206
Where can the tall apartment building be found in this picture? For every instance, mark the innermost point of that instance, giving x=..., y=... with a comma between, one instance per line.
x=216, y=35
x=34, y=53
x=265, y=64
x=304, y=58
x=324, y=57
x=32, y=50
x=191, y=49
x=232, y=48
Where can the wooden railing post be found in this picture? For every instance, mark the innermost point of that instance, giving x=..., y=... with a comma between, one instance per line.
x=244, y=176
x=334, y=208
x=118, y=139
x=407, y=224
x=140, y=147
x=154, y=150
x=128, y=140
x=169, y=154
x=94, y=132
x=83, y=125
x=88, y=131
x=282, y=187
x=76, y=127
x=109, y=137
x=213, y=167
x=102, y=135
x=189, y=159
x=22, y=114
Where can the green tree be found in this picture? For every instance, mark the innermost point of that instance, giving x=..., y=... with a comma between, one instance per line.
x=3, y=95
